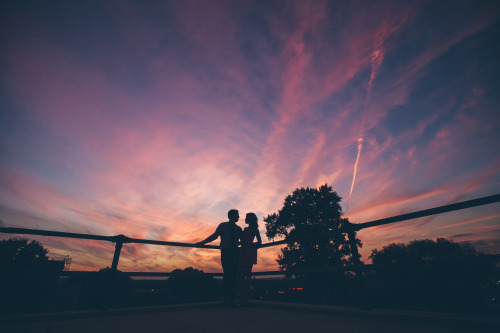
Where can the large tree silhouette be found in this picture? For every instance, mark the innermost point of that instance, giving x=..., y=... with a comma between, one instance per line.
x=310, y=211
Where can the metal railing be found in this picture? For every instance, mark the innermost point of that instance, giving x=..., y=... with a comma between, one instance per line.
x=349, y=228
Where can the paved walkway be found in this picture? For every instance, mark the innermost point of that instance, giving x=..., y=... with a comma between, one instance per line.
x=259, y=317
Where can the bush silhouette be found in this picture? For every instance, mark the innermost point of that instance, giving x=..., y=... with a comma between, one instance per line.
x=27, y=275
x=433, y=275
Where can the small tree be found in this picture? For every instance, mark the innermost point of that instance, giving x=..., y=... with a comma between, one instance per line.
x=310, y=211
x=191, y=285
x=28, y=276
x=18, y=253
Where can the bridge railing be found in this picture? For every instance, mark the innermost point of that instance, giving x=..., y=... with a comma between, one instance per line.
x=357, y=284
x=349, y=228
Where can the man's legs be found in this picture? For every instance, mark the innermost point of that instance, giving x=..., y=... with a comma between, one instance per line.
x=229, y=260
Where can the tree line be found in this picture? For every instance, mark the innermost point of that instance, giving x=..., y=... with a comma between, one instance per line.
x=438, y=274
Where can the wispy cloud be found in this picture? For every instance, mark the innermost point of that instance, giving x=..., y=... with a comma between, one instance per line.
x=164, y=116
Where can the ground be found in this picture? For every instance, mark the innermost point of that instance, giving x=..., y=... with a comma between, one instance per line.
x=258, y=317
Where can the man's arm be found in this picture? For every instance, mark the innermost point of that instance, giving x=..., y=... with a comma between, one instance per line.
x=212, y=237
x=209, y=239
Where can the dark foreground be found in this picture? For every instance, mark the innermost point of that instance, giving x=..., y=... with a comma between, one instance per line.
x=258, y=317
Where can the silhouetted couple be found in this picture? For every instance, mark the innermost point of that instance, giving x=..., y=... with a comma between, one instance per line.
x=237, y=261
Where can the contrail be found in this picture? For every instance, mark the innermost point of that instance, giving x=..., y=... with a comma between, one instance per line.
x=360, y=147
x=377, y=57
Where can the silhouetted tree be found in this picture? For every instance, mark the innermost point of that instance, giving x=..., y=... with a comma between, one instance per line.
x=308, y=211
x=422, y=250
x=191, y=284
x=18, y=253
x=433, y=275
x=27, y=276
x=103, y=289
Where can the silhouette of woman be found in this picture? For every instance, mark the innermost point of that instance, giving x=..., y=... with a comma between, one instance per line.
x=248, y=254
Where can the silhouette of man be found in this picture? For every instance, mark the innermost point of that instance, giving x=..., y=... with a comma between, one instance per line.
x=229, y=234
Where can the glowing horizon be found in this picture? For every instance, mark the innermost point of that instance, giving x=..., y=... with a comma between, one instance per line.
x=154, y=120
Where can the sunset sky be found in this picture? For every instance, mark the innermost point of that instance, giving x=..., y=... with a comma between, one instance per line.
x=153, y=119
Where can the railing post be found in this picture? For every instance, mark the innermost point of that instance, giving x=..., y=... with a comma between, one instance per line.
x=119, y=240
x=351, y=234
x=350, y=229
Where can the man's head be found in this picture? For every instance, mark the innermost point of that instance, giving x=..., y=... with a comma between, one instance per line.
x=233, y=215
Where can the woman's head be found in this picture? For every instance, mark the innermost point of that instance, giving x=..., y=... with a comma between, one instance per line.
x=251, y=220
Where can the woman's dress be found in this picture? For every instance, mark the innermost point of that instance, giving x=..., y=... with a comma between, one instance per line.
x=248, y=253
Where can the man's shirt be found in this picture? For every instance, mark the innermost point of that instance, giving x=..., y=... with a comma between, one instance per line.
x=229, y=234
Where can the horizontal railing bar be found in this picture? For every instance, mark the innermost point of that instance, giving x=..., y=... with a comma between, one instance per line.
x=156, y=242
x=260, y=273
x=491, y=258
x=55, y=234
x=98, y=237
x=145, y=274
x=398, y=218
x=432, y=211
x=308, y=270
x=355, y=226
x=269, y=244
x=315, y=235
